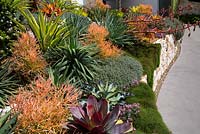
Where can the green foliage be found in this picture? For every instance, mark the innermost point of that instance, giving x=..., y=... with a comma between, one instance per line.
x=116, y=27
x=95, y=118
x=144, y=95
x=175, y=24
x=189, y=18
x=7, y=123
x=72, y=61
x=122, y=71
x=109, y=92
x=117, y=30
x=149, y=57
x=57, y=77
x=48, y=31
x=174, y=4
x=79, y=10
x=7, y=84
x=78, y=25
x=96, y=14
x=118, y=13
x=7, y=27
x=149, y=120
x=17, y=4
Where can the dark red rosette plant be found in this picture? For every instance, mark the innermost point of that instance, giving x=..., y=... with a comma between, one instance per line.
x=95, y=118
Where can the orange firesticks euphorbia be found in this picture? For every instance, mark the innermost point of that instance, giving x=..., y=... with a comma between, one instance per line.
x=43, y=107
x=97, y=34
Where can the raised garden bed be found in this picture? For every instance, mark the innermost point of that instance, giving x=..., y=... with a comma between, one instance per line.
x=80, y=70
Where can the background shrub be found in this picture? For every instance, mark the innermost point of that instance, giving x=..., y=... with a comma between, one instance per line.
x=175, y=24
x=189, y=18
x=122, y=71
x=7, y=26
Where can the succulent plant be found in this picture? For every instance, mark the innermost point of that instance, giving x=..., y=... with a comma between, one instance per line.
x=95, y=118
x=75, y=62
x=107, y=91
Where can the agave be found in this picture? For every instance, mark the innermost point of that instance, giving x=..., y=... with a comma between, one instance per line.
x=78, y=24
x=110, y=92
x=73, y=62
x=96, y=119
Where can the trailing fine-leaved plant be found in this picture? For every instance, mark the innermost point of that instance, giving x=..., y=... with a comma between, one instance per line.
x=123, y=71
x=95, y=118
x=49, y=31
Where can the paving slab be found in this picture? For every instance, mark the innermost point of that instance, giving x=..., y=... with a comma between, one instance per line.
x=179, y=98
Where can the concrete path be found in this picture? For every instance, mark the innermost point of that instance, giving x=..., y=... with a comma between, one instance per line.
x=179, y=98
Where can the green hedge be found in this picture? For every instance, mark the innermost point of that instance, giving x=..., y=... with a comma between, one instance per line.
x=189, y=18
x=149, y=120
x=148, y=55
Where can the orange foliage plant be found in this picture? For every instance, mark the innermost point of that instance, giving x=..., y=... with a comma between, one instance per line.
x=142, y=24
x=27, y=56
x=43, y=107
x=50, y=8
x=101, y=5
x=97, y=34
x=145, y=9
x=97, y=4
